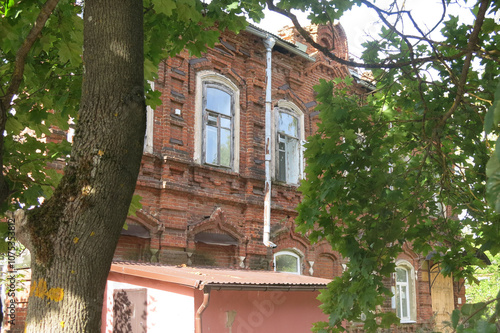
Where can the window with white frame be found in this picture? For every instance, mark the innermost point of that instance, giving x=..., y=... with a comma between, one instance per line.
x=287, y=261
x=289, y=139
x=404, y=293
x=148, y=136
x=217, y=121
x=217, y=125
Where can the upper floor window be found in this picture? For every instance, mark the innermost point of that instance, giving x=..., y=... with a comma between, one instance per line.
x=287, y=261
x=289, y=137
x=216, y=121
x=217, y=125
x=288, y=148
x=148, y=136
x=404, y=293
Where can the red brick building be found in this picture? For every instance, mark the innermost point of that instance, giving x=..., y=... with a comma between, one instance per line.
x=203, y=173
x=206, y=168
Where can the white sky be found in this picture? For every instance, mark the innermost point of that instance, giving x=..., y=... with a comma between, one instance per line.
x=359, y=22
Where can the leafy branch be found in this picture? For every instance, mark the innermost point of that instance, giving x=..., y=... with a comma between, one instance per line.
x=387, y=63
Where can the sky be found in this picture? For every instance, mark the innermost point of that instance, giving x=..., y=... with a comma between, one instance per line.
x=359, y=22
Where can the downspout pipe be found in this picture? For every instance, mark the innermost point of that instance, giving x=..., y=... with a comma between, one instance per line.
x=269, y=44
x=203, y=306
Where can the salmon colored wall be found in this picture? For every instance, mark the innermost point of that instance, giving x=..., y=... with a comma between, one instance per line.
x=261, y=311
x=169, y=305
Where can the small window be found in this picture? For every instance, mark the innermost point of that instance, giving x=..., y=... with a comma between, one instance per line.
x=288, y=262
x=217, y=125
x=288, y=162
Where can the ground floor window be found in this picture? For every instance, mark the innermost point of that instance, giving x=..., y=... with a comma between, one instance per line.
x=404, y=293
x=287, y=261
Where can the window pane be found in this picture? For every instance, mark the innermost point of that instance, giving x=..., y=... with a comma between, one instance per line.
x=282, y=165
x=401, y=275
x=225, y=147
x=286, y=263
x=404, y=302
x=225, y=122
x=288, y=124
x=292, y=163
x=218, y=101
x=398, y=301
x=211, y=145
x=212, y=120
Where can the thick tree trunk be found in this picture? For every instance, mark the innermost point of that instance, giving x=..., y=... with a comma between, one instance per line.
x=74, y=234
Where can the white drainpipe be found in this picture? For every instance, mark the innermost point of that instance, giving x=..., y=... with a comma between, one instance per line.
x=269, y=44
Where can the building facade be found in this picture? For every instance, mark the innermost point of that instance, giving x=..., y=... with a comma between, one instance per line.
x=223, y=160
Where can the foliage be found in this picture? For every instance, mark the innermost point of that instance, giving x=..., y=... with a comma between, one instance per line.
x=473, y=318
x=41, y=80
x=379, y=173
x=401, y=164
x=487, y=285
x=51, y=81
x=49, y=93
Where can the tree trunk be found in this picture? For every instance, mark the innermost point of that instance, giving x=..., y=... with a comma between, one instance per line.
x=72, y=237
x=4, y=187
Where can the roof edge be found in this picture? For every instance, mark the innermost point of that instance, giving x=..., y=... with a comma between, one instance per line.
x=280, y=42
x=155, y=276
x=261, y=287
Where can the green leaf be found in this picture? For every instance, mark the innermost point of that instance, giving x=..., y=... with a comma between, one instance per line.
x=14, y=126
x=455, y=316
x=492, y=117
x=135, y=205
x=164, y=6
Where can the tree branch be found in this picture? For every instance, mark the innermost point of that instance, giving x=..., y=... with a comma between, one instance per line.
x=386, y=64
x=471, y=47
x=16, y=79
x=23, y=51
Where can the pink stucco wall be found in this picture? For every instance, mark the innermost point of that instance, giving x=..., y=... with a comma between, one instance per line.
x=261, y=311
x=168, y=305
x=172, y=308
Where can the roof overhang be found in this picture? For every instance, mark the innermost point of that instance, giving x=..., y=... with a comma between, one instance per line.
x=221, y=279
x=279, y=42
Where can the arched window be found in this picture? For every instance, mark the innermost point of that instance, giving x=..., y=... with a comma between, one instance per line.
x=289, y=138
x=288, y=262
x=216, y=121
x=217, y=125
x=404, y=292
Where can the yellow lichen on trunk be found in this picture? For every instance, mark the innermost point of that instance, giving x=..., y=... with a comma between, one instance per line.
x=40, y=290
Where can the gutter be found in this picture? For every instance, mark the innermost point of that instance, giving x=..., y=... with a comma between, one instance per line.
x=256, y=287
x=203, y=306
x=269, y=43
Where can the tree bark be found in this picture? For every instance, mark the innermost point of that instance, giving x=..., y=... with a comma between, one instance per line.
x=72, y=237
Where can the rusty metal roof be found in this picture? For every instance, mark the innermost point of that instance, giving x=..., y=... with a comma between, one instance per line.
x=217, y=278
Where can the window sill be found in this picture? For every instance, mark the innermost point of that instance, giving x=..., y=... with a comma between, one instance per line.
x=282, y=183
x=408, y=322
x=221, y=169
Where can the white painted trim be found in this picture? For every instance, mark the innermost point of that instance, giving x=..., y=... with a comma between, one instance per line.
x=292, y=108
x=150, y=117
x=405, y=264
x=211, y=76
x=294, y=253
